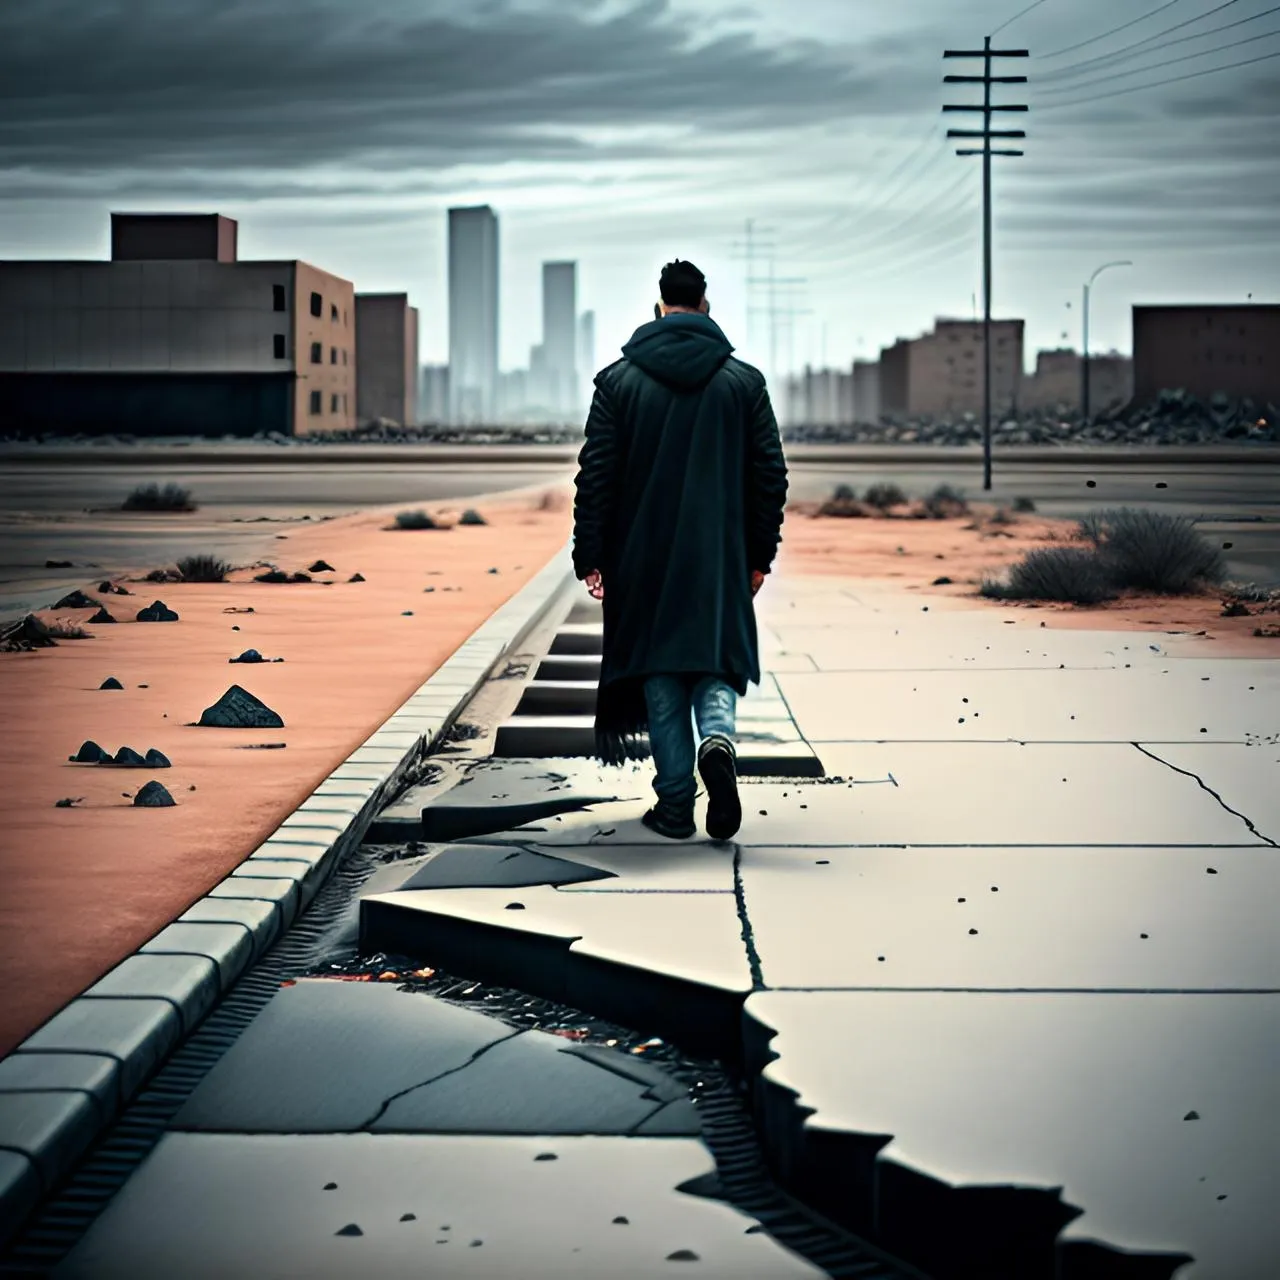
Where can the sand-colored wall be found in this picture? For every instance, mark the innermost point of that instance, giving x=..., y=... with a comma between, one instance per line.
x=335, y=333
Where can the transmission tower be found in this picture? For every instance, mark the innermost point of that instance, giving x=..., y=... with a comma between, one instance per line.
x=775, y=308
x=986, y=133
x=748, y=248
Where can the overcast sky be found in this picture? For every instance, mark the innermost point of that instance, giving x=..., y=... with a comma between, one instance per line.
x=624, y=134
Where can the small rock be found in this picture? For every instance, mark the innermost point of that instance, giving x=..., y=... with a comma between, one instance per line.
x=111, y=683
x=493, y=571
x=249, y=655
x=330, y=1186
x=128, y=758
x=77, y=600
x=157, y=759
x=408, y=1217
x=349, y=1230
x=356, y=577
x=683, y=1255
x=471, y=516
x=113, y=589
x=157, y=611
x=321, y=566
x=944, y=581
x=89, y=753
x=408, y=613
x=546, y=1155
x=1192, y=1115
x=272, y=575
x=68, y=802
x=239, y=709
x=621, y=1221
x=299, y=577
x=428, y=588
x=153, y=796
x=58, y=564
x=102, y=615
x=515, y=906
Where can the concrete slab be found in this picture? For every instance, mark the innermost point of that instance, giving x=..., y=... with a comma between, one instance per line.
x=51, y=1128
x=535, y=1083
x=693, y=937
x=93, y=1074
x=229, y=946
x=1154, y=1113
x=1209, y=702
x=190, y=983
x=995, y=794
x=307, y=1063
x=1243, y=777
x=208, y=1206
x=481, y=866
x=1027, y=919
x=136, y=1033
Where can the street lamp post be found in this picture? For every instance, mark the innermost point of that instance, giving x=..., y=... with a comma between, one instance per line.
x=1084, y=357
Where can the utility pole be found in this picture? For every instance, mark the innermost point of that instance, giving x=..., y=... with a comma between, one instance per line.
x=748, y=248
x=986, y=133
x=1084, y=339
x=773, y=310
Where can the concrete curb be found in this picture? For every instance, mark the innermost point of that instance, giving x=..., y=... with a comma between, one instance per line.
x=67, y=1081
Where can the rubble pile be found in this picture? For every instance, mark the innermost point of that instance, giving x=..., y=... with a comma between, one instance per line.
x=1174, y=418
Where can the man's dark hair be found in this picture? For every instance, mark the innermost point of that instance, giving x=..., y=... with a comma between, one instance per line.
x=682, y=284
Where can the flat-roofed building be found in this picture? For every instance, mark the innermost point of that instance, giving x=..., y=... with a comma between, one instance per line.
x=1207, y=350
x=386, y=358
x=175, y=336
x=941, y=373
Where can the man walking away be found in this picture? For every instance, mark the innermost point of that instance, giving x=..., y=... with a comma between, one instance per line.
x=680, y=493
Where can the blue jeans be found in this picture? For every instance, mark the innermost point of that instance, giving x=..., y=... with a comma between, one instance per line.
x=670, y=699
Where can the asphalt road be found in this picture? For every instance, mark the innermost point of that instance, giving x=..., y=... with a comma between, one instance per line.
x=66, y=510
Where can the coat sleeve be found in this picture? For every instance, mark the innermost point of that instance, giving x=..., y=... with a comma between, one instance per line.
x=766, y=477
x=595, y=497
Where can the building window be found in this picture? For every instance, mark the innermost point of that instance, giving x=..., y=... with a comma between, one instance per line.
x=317, y=305
x=277, y=297
x=333, y=355
x=317, y=353
x=315, y=402
x=344, y=357
x=277, y=343
x=333, y=312
x=333, y=403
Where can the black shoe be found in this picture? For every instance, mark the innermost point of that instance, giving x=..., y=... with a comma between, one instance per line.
x=717, y=766
x=675, y=826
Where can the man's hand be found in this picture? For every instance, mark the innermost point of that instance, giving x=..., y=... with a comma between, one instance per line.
x=595, y=584
x=757, y=580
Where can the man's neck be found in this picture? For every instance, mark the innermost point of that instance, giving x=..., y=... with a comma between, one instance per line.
x=683, y=311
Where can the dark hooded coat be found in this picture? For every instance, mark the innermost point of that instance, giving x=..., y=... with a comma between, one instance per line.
x=680, y=494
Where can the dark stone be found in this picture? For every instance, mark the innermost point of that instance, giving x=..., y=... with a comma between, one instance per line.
x=153, y=795
x=408, y=613
x=1192, y=1115
x=112, y=589
x=77, y=600
x=471, y=516
x=299, y=577
x=157, y=611
x=111, y=683
x=271, y=575
x=479, y=866
x=408, y=1217
x=58, y=564
x=249, y=655
x=941, y=582
x=239, y=709
x=349, y=1230
x=89, y=753
x=356, y=577
x=102, y=615
x=493, y=571
x=547, y=1155
x=157, y=759
x=67, y=802
x=621, y=1221
x=128, y=757
x=321, y=566
x=683, y=1255
x=330, y=1186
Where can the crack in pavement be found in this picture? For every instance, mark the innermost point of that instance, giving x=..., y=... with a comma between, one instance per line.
x=422, y=1084
x=1205, y=787
x=744, y=920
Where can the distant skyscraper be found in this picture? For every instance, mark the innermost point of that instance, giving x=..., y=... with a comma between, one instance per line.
x=473, y=314
x=559, y=334
x=587, y=348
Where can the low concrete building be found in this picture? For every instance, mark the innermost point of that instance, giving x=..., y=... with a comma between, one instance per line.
x=1207, y=350
x=433, y=394
x=175, y=336
x=940, y=374
x=1057, y=381
x=866, y=391
x=386, y=358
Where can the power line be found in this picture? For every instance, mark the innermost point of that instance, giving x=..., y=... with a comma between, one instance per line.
x=1168, y=44
x=1155, y=84
x=1021, y=14
x=1169, y=62
x=1071, y=48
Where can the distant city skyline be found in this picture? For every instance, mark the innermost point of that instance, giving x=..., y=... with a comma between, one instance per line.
x=621, y=135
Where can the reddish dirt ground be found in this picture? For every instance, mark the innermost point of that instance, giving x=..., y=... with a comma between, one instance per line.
x=85, y=886
x=913, y=553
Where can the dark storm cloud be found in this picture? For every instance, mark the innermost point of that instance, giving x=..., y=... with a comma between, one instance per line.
x=290, y=84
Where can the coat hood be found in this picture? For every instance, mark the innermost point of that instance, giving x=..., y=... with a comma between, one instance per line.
x=683, y=350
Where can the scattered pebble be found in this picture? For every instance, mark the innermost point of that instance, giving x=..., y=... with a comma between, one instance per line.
x=350, y=1229
x=330, y=1186
x=111, y=683
x=546, y=1155
x=321, y=566
x=154, y=796
x=683, y=1255
x=102, y=616
x=239, y=709
x=68, y=802
x=515, y=906
x=356, y=577
x=157, y=611
x=77, y=600
x=1192, y=1115
x=408, y=1217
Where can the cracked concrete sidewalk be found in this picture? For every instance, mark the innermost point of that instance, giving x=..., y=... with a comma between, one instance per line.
x=1019, y=933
